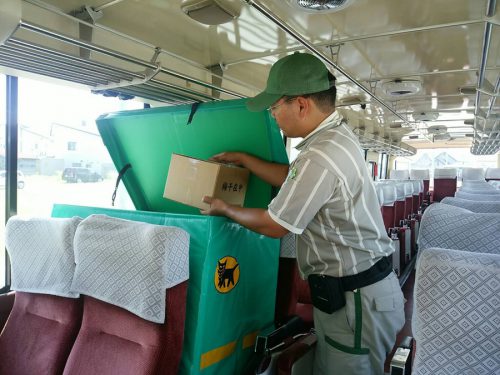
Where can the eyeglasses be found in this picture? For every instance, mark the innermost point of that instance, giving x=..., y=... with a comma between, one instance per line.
x=272, y=108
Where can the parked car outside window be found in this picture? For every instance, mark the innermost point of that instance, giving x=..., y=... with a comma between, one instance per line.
x=76, y=174
x=20, y=179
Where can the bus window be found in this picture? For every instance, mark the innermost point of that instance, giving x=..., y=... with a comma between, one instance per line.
x=58, y=135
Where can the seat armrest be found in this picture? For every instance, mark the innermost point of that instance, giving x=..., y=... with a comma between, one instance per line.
x=401, y=361
x=279, y=337
x=298, y=357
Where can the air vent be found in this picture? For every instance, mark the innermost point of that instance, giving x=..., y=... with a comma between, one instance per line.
x=401, y=87
x=442, y=137
x=211, y=12
x=323, y=6
x=437, y=129
x=422, y=116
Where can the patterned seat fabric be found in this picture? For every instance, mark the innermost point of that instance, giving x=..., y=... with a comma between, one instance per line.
x=456, y=316
x=131, y=324
x=477, y=196
x=453, y=227
x=46, y=316
x=479, y=207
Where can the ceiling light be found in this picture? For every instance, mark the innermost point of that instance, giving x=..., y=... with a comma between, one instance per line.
x=316, y=6
x=400, y=87
x=423, y=116
x=467, y=90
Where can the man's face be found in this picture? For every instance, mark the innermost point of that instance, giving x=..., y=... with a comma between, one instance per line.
x=283, y=112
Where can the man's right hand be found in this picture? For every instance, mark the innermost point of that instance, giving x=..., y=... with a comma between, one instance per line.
x=237, y=158
x=272, y=173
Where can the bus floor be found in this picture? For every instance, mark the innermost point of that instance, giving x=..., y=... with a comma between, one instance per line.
x=406, y=330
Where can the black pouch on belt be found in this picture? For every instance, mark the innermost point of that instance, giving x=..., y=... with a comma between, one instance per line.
x=327, y=293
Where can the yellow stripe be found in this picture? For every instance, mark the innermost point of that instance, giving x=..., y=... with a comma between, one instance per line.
x=249, y=340
x=217, y=354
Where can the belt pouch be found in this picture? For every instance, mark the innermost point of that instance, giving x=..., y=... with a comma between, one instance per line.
x=327, y=293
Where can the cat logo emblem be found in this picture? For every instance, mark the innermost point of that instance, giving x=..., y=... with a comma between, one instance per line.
x=227, y=274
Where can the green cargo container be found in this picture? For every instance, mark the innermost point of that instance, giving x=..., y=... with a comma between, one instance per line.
x=222, y=321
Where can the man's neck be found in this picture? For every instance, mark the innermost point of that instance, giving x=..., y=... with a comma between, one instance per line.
x=316, y=120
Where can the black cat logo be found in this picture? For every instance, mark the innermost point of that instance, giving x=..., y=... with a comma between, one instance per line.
x=227, y=274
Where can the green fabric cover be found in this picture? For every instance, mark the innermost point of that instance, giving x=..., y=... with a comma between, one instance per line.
x=215, y=319
x=147, y=138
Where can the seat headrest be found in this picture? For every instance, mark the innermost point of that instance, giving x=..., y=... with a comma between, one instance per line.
x=41, y=254
x=130, y=264
x=445, y=173
x=389, y=193
x=472, y=174
x=399, y=174
x=452, y=227
x=419, y=174
x=474, y=206
x=492, y=173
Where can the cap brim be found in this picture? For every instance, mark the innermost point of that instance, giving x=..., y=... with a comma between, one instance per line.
x=262, y=101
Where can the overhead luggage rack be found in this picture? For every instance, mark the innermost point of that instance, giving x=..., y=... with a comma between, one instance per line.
x=372, y=142
x=37, y=49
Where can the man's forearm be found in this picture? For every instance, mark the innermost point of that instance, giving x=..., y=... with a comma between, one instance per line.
x=272, y=173
x=255, y=219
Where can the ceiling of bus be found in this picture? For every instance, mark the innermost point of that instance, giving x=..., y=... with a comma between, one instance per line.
x=439, y=46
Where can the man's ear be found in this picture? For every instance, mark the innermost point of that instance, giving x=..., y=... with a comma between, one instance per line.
x=304, y=106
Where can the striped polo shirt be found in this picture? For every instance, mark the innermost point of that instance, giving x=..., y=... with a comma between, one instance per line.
x=329, y=201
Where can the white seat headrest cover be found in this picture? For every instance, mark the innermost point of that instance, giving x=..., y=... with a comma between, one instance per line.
x=130, y=264
x=41, y=254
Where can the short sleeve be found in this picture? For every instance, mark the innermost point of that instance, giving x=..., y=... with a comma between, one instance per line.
x=307, y=188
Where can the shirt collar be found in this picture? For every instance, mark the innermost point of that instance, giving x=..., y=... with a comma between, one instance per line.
x=331, y=121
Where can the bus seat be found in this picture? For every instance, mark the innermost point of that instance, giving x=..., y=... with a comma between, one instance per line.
x=400, y=204
x=492, y=174
x=6, y=304
x=495, y=184
x=494, y=197
x=417, y=193
x=455, y=319
x=421, y=174
x=445, y=183
x=399, y=174
x=408, y=199
x=453, y=227
x=481, y=186
x=380, y=193
x=491, y=207
x=388, y=206
x=292, y=294
x=473, y=174
x=46, y=315
x=133, y=278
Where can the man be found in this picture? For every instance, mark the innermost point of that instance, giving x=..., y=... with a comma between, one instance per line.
x=327, y=198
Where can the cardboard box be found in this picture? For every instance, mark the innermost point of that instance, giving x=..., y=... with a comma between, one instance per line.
x=190, y=179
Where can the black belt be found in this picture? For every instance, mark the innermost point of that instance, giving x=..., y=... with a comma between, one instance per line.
x=328, y=292
x=373, y=274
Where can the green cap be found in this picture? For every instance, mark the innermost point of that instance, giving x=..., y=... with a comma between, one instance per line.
x=296, y=74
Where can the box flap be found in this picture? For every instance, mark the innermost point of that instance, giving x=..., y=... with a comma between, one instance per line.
x=147, y=138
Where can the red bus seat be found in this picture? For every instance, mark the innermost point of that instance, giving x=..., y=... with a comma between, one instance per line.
x=133, y=276
x=46, y=314
x=445, y=183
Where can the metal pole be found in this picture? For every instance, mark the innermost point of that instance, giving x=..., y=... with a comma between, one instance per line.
x=11, y=138
x=281, y=24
